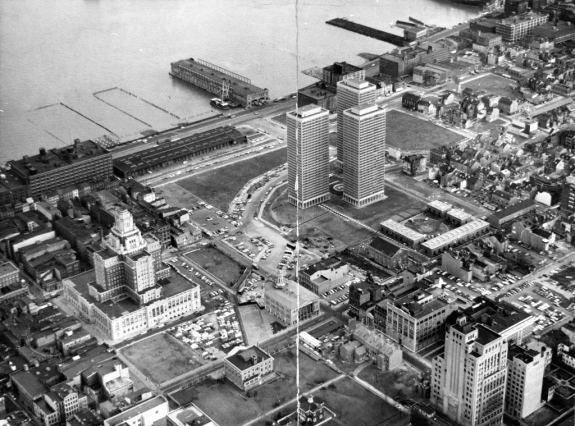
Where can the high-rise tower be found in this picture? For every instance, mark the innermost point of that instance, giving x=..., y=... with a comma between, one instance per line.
x=308, y=155
x=351, y=92
x=364, y=154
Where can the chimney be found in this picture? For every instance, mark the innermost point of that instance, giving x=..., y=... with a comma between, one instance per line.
x=77, y=143
x=254, y=359
x=42, y=152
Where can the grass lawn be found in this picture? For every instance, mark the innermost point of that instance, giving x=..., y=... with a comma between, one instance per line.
x=411, y=133
x=161, y=357
x=217, y=263
x=213, y=395
x=219, y=187
x=494, y=84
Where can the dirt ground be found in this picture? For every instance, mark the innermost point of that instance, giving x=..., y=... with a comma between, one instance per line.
x=162, y=357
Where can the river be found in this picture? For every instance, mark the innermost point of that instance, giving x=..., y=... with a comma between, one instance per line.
x=55, y=56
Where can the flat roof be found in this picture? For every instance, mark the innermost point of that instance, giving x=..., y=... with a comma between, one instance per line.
x=322, y=265
x=167, y=151
x=171, y=286
x=7, y=268
x=455, y=234
x=402, y=229
x=190, y=415
x=239, y=84
x=458, y=214
x=137, y=410
x=440, y=205
x=344, y=66
x=287, y=296
x=514, y=209
x=485, y=335
x=58, y=157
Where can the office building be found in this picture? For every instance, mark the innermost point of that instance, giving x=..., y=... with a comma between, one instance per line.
x=308, y=156
x=402, y=61
x=514, y=28
x=341, y=71
x=281, y=301
x=249, y=368
x=568, y=195
x=416, y=320
x=130, y=290
x=525, y=371
x=351, y=92
x=468, y=380
x=364, y=154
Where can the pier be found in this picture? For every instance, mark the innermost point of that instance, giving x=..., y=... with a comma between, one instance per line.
x=368, y=31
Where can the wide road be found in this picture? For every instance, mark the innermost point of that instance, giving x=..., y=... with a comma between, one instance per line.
x=273, y=343
x=241, y=116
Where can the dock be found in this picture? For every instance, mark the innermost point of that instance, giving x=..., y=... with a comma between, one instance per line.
x=368, y=31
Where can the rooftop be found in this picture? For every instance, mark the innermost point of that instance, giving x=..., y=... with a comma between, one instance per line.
x=322, y=265
x=458, y=214
x=440, y=205
x=342, y=68
x=190, y=415
x=287, y=296
x=7, y=268
x=402, y=229
x=515, y=208
x=455, y=234
x=243, y=359
x=485, y=335
x=48, y=160
x=167, y=151
x=30, y=383
x=238, y=84
x=138, y=410
x=386, y=247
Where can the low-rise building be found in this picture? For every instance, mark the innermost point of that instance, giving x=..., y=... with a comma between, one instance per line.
x=414, y=165
x=387, y=254
x=566, y=354
x=281, y=301
x=438, y=208
x=537, y=238
x=10, y=285
x=145, y=414
x=458, y=217
x=455, y=237
x=324, y=275
x=505, y=217
x=248, y=368
x=190, y=415
x=402, y=233
x=383, y=351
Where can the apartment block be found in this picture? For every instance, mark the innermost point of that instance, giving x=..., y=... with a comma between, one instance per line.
x=351, y=92
x=308, y=156
x=364, y=154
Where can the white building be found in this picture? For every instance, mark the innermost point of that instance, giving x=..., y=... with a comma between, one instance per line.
x=129, y=290
x=145, y=414
x=308, y=156
x=364, y=154
x=281, y=301
x=351, y=92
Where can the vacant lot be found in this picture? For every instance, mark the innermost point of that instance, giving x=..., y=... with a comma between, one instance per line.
x=213, y=395
x=220, y=186
x=411, y=133
x=494, y=84
x=161, y=357
x=217, y=263
x=398, y=384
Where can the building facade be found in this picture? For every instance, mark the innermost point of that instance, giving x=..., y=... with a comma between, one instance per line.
x=568, y=195
x=351, y=92
x=308, y=156
x=249, y=368
x=364, y=155
x=515, y=28
x=468, y=380
x=130, y=290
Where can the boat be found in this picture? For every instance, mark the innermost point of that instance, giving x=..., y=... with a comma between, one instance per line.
x=218, y=103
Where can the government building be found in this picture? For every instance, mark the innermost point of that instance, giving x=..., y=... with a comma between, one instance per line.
x=129, y=291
